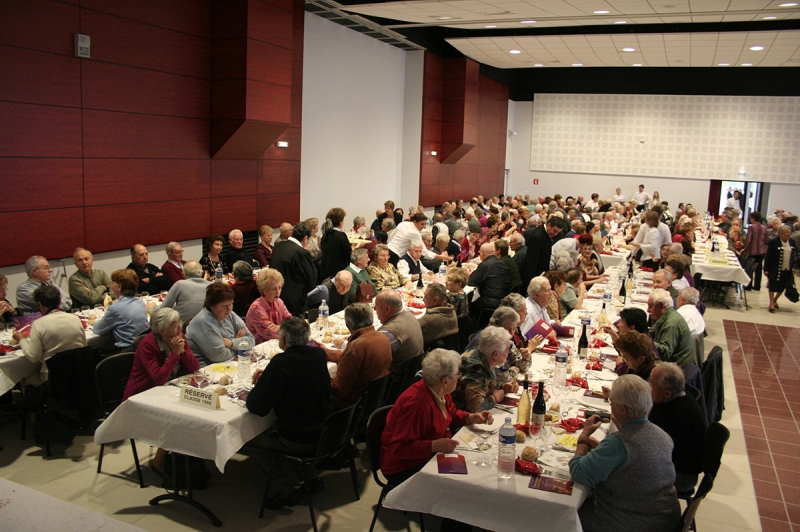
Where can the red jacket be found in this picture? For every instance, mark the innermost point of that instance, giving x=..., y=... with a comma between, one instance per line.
x=412, y=424
x=152, y=367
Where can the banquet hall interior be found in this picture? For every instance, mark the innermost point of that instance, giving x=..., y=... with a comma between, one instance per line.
x=132, y=121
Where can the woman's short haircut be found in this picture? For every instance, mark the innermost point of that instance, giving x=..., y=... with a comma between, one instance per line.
x=268, y=277
x=556, y=277
x=574, y=276
x=634, y=394
x=162, y=318
x=634, y=318
x=265, y=231
x=676, y=263
x=214, y=238
x=312, y=223
x=635, y=344
x=438, y=364
x=457, y=275
x=217, y=292
x=513, y=300
x=494, y=339
x=442, y=237
x=336, y=215
x=127, y=280
x=503, y=315
x=294, y=331
x=585, y=240
x=242, y=271
x=537, y=284
x=379, y=248
x=357, y=316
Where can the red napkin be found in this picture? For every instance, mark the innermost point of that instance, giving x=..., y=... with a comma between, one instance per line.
x=571, y=425
x=579, y=382
x=526, y=467
x=646, y=269
x=549, y=349
x=523, y=427
x=606, y=253
x=597, y=366
x=8, y=348
x=596, y=344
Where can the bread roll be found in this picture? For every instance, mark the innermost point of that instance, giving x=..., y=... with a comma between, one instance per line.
x=221, y=390
x=529, y=454
x=224, y=380
x=520, y=437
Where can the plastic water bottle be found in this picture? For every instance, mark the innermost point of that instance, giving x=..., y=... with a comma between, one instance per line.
x=322, y=317
x=442, y=273
x=218, y=272
x=560, y=373
x=607, y=294
x=507, y=451
x=243, y=364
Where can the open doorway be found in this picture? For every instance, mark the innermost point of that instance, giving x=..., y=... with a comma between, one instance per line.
x=749, y=197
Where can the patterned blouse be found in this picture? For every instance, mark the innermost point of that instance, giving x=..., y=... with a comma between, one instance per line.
x=209, y=266
x=460, y=303
x=386, y=277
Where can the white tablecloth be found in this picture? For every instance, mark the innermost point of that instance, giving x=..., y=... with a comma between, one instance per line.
x=731, y=272
x=13, y=368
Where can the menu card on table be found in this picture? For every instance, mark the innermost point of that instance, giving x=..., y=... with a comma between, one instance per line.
x=541, y=328
x=551, y=484
x=452, y=464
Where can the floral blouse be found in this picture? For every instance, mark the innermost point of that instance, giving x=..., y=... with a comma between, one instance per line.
x=386, y=277
x=210, y=266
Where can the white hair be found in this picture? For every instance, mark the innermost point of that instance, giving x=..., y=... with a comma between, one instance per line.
x=493, y=339
x=690, y=295
x=536, y=285
x=667, y=275
x=634, y=394
x=192, y=269
x=660, y=295
x=438, y=364
x=415, y=244
x=234, y=231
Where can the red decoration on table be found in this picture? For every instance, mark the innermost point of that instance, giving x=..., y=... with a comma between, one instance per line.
x=571, y=425
x=416, y=304
x=597, y=344
x=526, y=467
x=578, y=382
x=597, y=366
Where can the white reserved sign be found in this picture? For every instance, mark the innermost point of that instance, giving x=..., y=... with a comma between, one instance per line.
x=198, y=397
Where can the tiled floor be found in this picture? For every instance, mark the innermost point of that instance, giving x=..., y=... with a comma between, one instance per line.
x=757, y=351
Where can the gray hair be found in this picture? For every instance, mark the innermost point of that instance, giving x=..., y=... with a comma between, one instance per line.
x=294, y=331
x=690, y=295
x=162, y=318
x=458, y=235
x=378, y=249
x=634, y=394
x=357, y=254
x=32, y=263
x=667, y=274
x=493, y=339
x=669, y=376
x=358, y=220
x=513, y=300
x=565, y=260
x=391, y=298
x=516, y=237
x=676, y=248
x=387, y=224
x=357, y=316
x=416, y=243
x=192, y=269
x=659, y=295
x=171, y=246
x=438, y=291
x=536, y=285
x=442, y=237
x=438, y=364
x=503, y=315
x=242, y=270
x=233, y=232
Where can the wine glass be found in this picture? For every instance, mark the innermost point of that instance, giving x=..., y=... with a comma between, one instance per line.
x=483, y=445
x=200, y=379
x=145, y=294
x=85, y=308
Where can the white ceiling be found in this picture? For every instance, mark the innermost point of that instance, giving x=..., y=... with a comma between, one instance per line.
x=477, y=14
x=781, y=48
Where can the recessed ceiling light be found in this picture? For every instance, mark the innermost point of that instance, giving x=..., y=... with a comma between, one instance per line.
x=770, y=18
x=756, y=48
x=514, y=52
x=490, y=26
x=601, y=12
x=538, y=64
x=724, y=64
x=788, y=4
x=577, y=64
x=527, y=22
x=637, y=64
x=620, y=22
x=444, y=18
x=747, y=64
x=628, y=49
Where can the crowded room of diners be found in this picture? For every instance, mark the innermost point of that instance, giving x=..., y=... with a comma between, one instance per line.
x=445, y=266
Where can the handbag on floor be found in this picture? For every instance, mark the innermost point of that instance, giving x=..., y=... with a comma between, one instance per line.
x=791, y=291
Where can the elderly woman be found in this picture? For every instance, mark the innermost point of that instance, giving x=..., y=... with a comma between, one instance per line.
x=479, y=387
x=445, y=246
x=586, y=262
x=735, y=241
x=124, y=320
x=313, y=245
x=636, y=350
x=7, y=311
x=574, y=291
x=631, y=470
x=456, y=281
x=245, y=289
x=213, y=257
x=630, y=319
x=216, y=334
x=518, y=303
x=268, y=311
x=519, y=357
x=383, y=273
x=423, y=419
x=358, y=223
x=335, y=244
x=781, y=255
x=558, y=285
x=263, y=251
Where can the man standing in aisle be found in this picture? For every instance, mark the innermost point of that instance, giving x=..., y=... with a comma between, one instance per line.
x=298, y=269
x=641, y=198
x=539, y=242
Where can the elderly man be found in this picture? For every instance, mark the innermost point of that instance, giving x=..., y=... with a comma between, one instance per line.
x=359, y=260
x=539, y=241
x=687, y=307
x=336, y=292
x=439, y=320
x=54, y=332
x=400, y=327
x=187, y=296
x=237, y=252
x=284, y=233
x=517, y=244
x=663, y=279
x=501, y=252
x=88, y=286
x=492, y=279
x=539, y=292
x=409, y=264
x=298, y=269
x=39, y=273
x=151, y=279
x=296, y=387
x=671, y=334
x=173, y=268
x=680, y=416
x=367, y=356
x=406, y=232
x=479, y=387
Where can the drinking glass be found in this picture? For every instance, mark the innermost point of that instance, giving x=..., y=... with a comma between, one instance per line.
x=483, y=445
x=145, y=294
x=76, y=311
x=201, y=379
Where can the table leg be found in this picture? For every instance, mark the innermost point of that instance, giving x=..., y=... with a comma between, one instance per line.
x=188, y=498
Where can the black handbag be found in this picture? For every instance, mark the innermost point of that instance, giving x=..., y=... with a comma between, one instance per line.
x=791, y=291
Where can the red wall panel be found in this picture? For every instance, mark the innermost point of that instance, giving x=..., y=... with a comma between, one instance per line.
x=136, y=90
x=233, y=213
x=39, y=25
x=41, y=184
x=269, y=103
x=278, y=177
x=125, y=135
x=274, y=209
x=126, y=42
x=53, y=233
x=111, y=227
x=233, y=178
x=39, y=77
x=269, y=23
x=229, y=59
x=269, y=63
x=186, y=16
x=121, y=181
x=39, y=131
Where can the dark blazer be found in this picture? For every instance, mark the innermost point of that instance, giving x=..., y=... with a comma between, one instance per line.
x=299, y=274
x=537, y=258
x=774, y=258
x=335, y=248
x=154, y=284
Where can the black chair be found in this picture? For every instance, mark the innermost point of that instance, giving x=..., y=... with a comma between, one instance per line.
x=464, y=332
x=111, y=377
x=374, y=397
x=713, y=447
x=713, y=385
x=375, y=426
x=687, y=519
x=403, y=377
x=333, y=440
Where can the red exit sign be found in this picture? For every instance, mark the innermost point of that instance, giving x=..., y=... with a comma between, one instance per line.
x=535, y=181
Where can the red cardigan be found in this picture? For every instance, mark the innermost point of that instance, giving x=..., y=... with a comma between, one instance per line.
x=152, y=367
x=172, y=272
x=413, y=423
